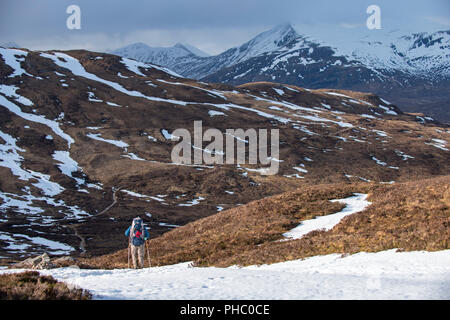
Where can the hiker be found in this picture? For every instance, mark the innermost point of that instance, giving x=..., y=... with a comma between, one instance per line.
x=137, y=234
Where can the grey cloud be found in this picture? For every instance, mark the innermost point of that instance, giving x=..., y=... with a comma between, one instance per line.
x=209, y=24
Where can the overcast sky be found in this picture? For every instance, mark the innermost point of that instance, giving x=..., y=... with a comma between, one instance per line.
x=210, y=25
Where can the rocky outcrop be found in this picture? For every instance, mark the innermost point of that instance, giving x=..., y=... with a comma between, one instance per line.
x=44, y=262
x=40, y=262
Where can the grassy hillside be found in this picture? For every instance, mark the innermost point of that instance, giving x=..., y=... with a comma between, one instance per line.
x=409, y=216
x=32, y=286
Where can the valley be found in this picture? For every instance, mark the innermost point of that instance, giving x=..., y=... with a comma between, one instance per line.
x=86, y=146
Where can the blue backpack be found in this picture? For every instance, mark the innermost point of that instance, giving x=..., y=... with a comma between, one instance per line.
x=137, y=232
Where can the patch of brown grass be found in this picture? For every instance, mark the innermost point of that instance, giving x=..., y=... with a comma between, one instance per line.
x=409, y=216
x=229, y=232
x=30, y=285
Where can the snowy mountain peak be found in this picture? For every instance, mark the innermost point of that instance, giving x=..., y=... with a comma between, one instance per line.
x=393, y=63
x=194, y=50
x=268, y=41
x=157, y=55
x=142, y=52
x=10, y=44
x=282, y=30
x=140, y=48
x=421, y=54
x=273, y=39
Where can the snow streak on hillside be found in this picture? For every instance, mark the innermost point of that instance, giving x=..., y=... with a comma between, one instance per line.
x=354, y=204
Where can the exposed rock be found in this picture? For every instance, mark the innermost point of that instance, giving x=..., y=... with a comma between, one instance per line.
x=40, y=262
x=65, y=261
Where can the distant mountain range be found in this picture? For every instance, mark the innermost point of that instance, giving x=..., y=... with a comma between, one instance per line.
x=411, y=70
x=10, y=44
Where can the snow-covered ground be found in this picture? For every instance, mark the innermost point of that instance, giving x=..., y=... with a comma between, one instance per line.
x=381, y=275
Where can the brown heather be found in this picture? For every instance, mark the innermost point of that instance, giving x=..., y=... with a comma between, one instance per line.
x=408, y=216
x=32, y=286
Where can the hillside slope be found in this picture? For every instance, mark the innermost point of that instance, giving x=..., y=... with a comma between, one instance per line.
x=408, y=216
x=85, y=146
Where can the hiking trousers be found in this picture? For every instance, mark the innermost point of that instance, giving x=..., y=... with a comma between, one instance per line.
x=137, y=255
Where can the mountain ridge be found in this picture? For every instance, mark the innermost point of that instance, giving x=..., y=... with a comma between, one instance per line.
x=410, y=70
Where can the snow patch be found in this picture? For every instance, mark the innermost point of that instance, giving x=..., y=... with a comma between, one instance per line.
x=13, y=58
x=53, y=125
x=117, y=143
x=354, y=204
